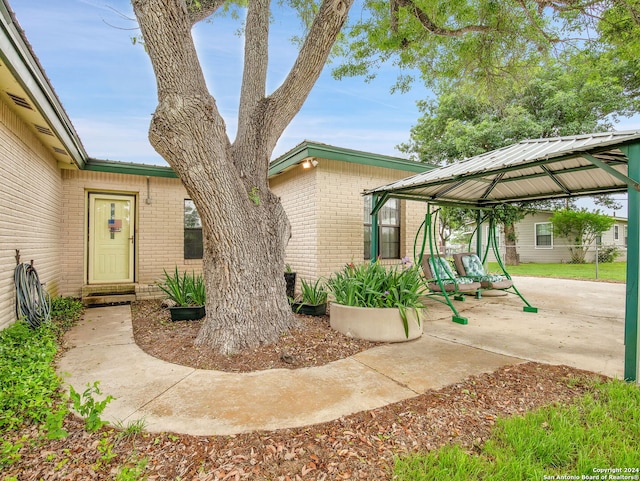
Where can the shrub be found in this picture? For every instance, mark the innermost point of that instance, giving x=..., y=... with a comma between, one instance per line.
x=29, y=382
x=312, y=294
x=184, y=290
x=373, y=285
x=608, y=254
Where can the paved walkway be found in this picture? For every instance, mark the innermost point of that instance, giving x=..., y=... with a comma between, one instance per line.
x=580, y=324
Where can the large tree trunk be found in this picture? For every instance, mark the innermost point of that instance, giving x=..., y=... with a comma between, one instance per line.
x=511, y=258
x=244, y=226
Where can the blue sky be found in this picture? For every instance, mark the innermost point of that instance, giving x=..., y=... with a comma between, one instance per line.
x=107, y=87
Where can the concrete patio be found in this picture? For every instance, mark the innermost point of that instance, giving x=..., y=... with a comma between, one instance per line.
x=579, y=324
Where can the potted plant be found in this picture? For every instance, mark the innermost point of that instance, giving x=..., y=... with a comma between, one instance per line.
x=290, y=281
x=377, y=303
x=187, y=291
x=312, y=300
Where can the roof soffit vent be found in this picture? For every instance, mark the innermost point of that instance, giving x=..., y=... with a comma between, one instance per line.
x=43, y=130
x=20, y=101
x=60, y=151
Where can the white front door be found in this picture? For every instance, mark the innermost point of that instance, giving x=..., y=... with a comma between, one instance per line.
x=111, y=238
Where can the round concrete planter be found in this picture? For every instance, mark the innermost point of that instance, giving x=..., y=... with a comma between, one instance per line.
x=374, y=324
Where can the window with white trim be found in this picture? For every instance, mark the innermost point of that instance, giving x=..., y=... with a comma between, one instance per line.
x=625, y=233
x=616, y=232
x=388, y=229
x=543, y=235
x=192, y=231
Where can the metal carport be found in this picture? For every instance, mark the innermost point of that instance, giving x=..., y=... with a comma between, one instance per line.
x=541, y=169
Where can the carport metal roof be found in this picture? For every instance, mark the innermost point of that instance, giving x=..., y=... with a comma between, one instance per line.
x=554, y=168
x=527, y=171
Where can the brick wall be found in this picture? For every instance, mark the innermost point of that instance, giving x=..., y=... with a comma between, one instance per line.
x=159, y=225
x=298, y=191
x=325, y=207
x=30, y=209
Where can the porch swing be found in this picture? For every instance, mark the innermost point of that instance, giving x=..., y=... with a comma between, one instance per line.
x=471, y=277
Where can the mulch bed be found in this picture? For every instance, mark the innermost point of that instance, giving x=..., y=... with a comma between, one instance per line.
x=312, y=343
x=361, y=446
x=357, y=447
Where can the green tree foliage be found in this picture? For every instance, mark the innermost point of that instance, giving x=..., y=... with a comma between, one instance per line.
x=580, y=228
x=620, y=29
x=583, y=95
x=451, y=219
x=488, y=42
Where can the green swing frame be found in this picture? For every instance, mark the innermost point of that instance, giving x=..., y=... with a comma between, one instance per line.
x=428, y=231
x=625, y=143
x=492, y=244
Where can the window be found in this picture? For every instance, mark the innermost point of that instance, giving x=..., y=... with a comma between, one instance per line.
x=192, y=231
x=388, y=229
x=625, y=233
x=616, y=232
x=544, y=235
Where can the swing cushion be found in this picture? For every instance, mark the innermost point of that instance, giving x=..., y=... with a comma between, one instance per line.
x=472, y=266
x=441, y=269
x=438, y=267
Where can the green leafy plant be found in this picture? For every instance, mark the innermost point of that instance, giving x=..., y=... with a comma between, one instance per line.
x=312, y=294
x=608, y=254
x=198, y=292
x=374, y=285
x=29, y=383
x=87, y=406
x=184, y=290
x=54, y=423
x=65, y=311
x=10, y=452
x=105, y=448
x=254, y=195
x=133, y=473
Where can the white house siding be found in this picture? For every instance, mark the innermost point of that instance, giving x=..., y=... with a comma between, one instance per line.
x=528, y=252
x=30, y=210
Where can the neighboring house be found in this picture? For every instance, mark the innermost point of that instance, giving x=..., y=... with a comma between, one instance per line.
x=106, y=230
x=536, y=241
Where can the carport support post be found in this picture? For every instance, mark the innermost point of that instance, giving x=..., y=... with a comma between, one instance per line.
x=374, y=228
x=632, y=316
x=479, y=249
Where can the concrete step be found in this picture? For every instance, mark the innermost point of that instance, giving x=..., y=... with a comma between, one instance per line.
x=102, y=299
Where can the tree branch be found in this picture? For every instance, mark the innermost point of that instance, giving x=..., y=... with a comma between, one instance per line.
x=166, y=29
x=256, y=51
x=285, y=102
x=201, y=9
x=430, y=26
x=532, y=21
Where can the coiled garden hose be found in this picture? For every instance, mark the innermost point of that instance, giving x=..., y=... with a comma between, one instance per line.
x=32, y=301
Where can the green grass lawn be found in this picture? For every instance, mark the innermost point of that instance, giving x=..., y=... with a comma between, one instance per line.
x=611, y=271
x=597, y=432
